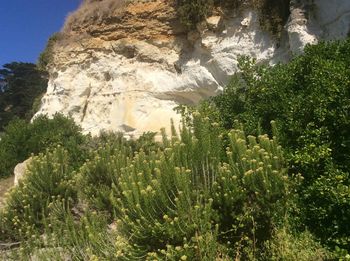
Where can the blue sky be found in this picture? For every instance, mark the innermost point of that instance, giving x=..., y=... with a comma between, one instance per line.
x=25, y=26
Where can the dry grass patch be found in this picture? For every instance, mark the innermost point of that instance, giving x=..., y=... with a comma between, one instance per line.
x=93, y=10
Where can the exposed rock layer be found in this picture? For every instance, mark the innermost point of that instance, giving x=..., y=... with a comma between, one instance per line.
x=127, y=71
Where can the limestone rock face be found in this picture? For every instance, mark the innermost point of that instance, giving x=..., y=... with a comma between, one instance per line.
x=128, y=71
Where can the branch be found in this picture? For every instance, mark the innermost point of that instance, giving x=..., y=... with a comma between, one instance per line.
x=9, y=245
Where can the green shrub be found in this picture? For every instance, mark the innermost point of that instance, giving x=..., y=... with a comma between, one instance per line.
x=273, y=14
x=35, y=107
x=68, y=236
x=46, y=57
x=327, y=205
x=21, y=139
x=49, y=178
x=11, y=146
x=192, y=12
x=288, y=247
x=84, y=237
x=309, y=98
x=100, y=174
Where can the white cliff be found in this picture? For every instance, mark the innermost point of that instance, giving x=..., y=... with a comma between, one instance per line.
x=127, y=73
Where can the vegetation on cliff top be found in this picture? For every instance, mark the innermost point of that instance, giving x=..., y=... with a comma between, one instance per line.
x=46, y=56
x=91, y=11
x=273, y=14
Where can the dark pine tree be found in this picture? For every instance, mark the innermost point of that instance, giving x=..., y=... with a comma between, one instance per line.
x=20, y=85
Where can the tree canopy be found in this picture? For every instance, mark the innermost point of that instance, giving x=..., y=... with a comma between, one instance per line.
x=20, y=84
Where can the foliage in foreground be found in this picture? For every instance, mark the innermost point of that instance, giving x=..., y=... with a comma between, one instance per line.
x=189, y=198
x=49, y=178
x=309, y=98
x=287, y=247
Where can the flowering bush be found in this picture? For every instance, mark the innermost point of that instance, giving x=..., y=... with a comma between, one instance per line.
x=49, y=178
x=201, y=194
x=190, y=199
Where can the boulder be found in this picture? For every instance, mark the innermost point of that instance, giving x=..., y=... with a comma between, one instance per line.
x=20, y=170
x=214, y=22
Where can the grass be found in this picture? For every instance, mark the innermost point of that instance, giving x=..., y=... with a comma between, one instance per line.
x=91, y=11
